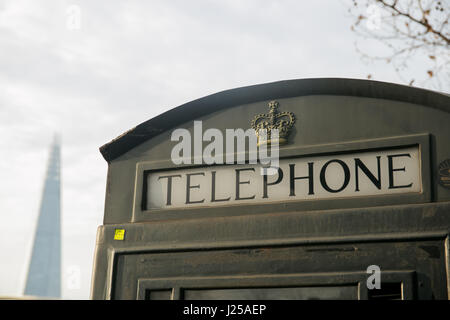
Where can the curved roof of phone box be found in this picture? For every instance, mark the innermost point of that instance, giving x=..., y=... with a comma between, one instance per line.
x=275, y=90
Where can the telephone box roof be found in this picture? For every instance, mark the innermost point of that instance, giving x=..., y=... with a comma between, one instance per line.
x=198, y=108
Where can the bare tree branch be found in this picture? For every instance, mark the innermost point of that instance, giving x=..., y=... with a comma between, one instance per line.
x=414, y=35
x=424, y=22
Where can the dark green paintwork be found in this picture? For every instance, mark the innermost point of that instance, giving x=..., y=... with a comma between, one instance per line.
x=406, y=235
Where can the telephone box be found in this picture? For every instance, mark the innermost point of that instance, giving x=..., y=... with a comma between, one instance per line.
x=299, y=189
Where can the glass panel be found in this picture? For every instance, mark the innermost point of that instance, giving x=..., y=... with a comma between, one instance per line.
x=299, y=293
x=158, y=294
x=387, y=291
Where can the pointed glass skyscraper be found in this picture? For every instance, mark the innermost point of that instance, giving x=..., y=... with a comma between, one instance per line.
x=44, y=273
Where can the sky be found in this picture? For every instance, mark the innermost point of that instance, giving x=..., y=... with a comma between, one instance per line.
x=90, y=70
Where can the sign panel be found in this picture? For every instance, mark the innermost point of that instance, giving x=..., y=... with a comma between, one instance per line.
x=372, y=173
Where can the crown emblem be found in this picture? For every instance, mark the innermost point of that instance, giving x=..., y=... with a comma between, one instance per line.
x=283, y=121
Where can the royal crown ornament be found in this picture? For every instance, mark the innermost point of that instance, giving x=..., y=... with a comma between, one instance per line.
x=264, y=123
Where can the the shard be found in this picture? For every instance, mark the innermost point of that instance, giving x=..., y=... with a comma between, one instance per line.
x=44, y=273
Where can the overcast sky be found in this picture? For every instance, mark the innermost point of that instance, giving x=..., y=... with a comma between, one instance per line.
x=124, y=63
